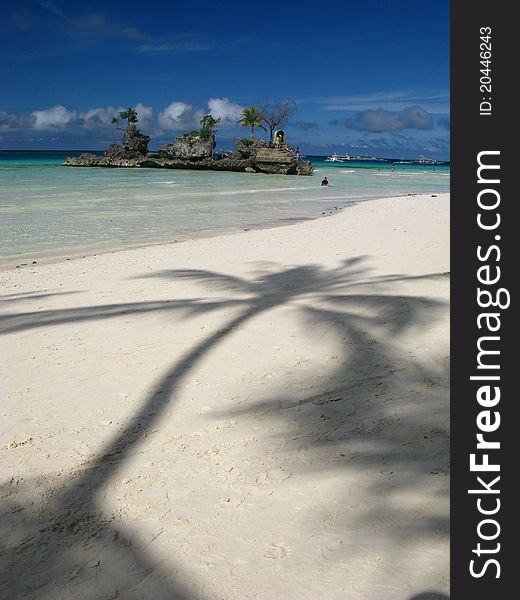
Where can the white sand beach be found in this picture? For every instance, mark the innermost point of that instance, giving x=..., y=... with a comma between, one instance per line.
x=259, y=415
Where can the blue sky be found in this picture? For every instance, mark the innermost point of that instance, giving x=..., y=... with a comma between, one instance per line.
x=367, y=77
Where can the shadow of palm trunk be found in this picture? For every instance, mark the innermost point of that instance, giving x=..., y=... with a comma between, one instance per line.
x=65, y=545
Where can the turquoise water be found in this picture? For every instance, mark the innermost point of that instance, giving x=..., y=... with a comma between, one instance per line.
x=48, y=210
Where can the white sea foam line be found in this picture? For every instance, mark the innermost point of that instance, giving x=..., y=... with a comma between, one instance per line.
x=291, y=189
x=398, y=174
x=236, y=192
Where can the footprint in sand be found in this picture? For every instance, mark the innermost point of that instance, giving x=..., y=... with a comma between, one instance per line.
x=275, y=551
x=276, y=474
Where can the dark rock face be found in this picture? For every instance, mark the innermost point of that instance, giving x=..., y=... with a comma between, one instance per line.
x=303, y=167
x=196, y=153
x=115, y=151
x=135, y=143
x=231, y=163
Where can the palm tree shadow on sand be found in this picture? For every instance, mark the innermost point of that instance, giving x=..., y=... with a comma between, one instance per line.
x=62, y=545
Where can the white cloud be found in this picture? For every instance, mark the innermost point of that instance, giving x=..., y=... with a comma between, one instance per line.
x=55, y=117
x=224, y=109
x=102, y=116
x=144, y=114
x=170, y=117
x=177, y=115
x=98, y=117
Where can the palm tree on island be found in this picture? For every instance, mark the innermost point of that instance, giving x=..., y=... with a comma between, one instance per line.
x=251, y=117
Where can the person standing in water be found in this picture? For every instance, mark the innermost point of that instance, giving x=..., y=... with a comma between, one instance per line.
x=325, y=182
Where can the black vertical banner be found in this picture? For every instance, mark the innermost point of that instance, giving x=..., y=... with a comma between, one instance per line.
x=485, y=246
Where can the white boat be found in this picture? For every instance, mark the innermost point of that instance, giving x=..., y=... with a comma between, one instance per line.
x=337, y=158
x=333, y=158
x=427, y=161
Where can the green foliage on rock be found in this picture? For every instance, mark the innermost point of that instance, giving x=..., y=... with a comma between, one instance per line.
x=129, y=115
x=209, y=126
x=190, y=136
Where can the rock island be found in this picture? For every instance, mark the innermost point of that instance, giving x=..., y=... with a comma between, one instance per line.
x=196, y=150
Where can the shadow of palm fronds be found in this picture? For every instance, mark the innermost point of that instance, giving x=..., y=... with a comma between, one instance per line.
x=71, y=548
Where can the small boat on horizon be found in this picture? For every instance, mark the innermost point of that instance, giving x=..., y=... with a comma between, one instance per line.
x=366, y=158
x=337, y=158
x=346, y=157
x=423, y=160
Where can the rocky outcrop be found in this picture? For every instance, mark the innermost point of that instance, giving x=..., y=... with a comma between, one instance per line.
x=303, y=167
x=135, y=143
x=127, y=154
x=115, y=159
x=188, y=147
x=84, y=160
x=115, y=151
x=205, y=164
x=193, y=152
x=273, y=160
x=248, y=149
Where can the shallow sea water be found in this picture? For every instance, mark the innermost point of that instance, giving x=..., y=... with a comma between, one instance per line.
x=47, y=210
